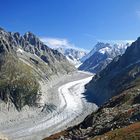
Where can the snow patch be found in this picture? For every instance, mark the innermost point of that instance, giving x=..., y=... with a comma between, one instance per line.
x=20, y=50
x=104, y=50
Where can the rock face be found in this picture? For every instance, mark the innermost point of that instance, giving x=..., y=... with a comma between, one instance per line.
x=73, y=55
x=24, y=60
x=17, y=82
x=30, y=44
x=101, y=55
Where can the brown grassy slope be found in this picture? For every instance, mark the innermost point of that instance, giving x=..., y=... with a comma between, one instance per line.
x=131, y=132
x=56, y=136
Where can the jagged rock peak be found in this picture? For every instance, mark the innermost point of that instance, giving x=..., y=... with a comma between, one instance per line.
x=32, y=39
x=17, y=34
x=29, y=34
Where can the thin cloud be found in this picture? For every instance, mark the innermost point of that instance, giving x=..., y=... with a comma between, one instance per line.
x=116, y=41
x=59, y=42
x=138, y=13
x=90, y=35
x=95, y=39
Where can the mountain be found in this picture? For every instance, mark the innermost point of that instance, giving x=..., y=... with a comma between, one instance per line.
x=116, y=90
x=96, y=48
x=101, y=55
x=119, y=75
x=73, y=55
x=31, y=47
x=25, y=61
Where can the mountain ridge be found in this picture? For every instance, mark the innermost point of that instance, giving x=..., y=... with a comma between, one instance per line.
x=101, y=55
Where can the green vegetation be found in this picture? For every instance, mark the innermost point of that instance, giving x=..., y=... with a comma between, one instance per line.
x=17, y=82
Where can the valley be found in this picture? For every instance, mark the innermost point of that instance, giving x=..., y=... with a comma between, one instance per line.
x=70, y=70
x=65, y=107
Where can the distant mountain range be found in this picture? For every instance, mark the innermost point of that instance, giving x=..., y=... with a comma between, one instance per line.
x=73, y=55
x=97, y=59
x=101, y=55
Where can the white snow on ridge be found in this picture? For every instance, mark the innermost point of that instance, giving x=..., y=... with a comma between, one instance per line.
x=104, y=50
x=75, y=62
x=19, y=50
x=72, y=55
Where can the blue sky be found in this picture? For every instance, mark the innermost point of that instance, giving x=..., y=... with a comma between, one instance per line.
x=79, y=23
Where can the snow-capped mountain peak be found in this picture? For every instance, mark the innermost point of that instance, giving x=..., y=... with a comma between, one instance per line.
x=96, y=48
x=101, y=55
